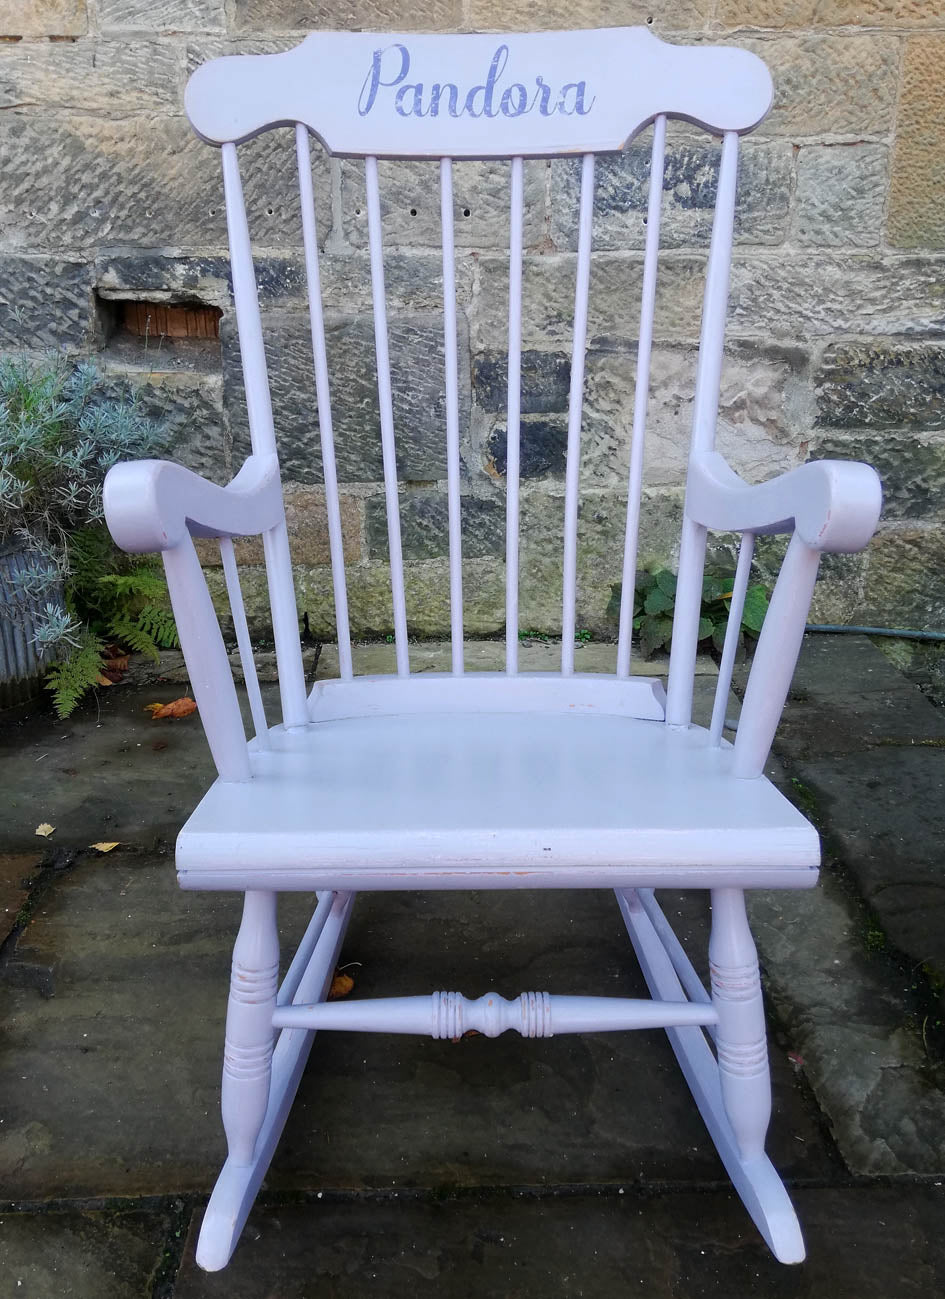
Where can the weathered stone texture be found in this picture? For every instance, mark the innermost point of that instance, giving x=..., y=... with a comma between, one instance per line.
x=841, y=190
x=613, y=306
x=417, y=366
x=879, y=385
x=410, y=204
x=917, y=188
x=107, y=77
x=103, y=1255
x=793, y=14
x=817, y=294
x=162, y=15
x=43, y=18
x=529, y=15
x=545, y=381
x=424, y=526
x=45, y=303
x=543, y=448
x=830, y=85
x=761, y=392
x=368, y=15
x=139, y=181
x=690, y=183
x=912, y=469
x=905, y=581
x=307, y=522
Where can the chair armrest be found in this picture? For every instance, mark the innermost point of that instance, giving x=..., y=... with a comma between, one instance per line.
x=831, y=505
x=152, y=504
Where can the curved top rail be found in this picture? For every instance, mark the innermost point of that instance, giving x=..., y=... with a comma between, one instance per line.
x=478, y=96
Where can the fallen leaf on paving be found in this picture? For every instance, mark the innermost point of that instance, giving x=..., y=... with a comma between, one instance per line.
x=105, y=847
x=118, y=664
x=152, y=708
x=158, y=745
x=182, y=707
x=341, y=985
x=102, y=680
x=45, y=829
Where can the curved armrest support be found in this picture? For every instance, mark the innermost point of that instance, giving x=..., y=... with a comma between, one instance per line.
x=152, y=504
x=832, y=505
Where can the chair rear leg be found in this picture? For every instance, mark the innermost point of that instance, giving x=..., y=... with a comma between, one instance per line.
x=247, y=1055
x=741, y=1041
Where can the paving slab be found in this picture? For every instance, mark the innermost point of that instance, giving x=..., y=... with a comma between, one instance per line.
x=81, y=1255
x=861, y=1244
x=111, y=1066
x=18, y=871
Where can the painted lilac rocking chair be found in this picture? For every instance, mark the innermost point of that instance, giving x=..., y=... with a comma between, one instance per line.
x=641, y=798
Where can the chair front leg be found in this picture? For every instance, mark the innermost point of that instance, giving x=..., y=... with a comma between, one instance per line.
x=741, y=1042
x=247, y=1056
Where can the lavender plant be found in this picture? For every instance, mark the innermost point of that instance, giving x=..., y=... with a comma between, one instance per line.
x=61, y=430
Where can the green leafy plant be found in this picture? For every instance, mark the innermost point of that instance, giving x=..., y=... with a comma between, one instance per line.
x=61, y=430
x=654, y=604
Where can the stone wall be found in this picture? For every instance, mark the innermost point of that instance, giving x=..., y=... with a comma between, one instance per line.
x=836, y=319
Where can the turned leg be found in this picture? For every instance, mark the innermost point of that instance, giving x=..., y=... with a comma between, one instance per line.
x=741, y=1042
x=247, y=1056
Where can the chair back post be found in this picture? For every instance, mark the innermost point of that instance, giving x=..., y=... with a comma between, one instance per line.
x=285, y=621
x=682, y=661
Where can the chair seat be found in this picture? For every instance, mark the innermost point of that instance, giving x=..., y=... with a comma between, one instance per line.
x=494, y=799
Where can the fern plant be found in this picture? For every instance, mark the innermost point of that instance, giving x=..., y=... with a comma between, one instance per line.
x=61, y=430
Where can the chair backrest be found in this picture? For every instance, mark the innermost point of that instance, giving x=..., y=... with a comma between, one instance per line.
x=442, y=98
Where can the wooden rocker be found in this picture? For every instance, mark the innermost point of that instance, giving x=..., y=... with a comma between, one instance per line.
x=430, y=781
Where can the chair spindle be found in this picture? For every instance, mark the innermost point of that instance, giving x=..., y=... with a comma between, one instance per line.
x=452, y=415
x=575, y=411
x=682, y=659
x=235, y=594
x=323, y=396
x=386, y=405
x=732, y=632
x=514, y=415
x=641, y=394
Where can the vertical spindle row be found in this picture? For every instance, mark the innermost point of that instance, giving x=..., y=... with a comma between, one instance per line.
x=514, y=412
x=732, y=634
x=323, y=396
x=452, y=415
x=641, y=394
x=247, y=662
x=575, y=411
x=385, y=401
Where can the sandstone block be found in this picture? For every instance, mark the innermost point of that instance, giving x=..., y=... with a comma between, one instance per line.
x=912, y=469
x=410, y=204
x=91, y=78
x=817, y=294
x=880, y=385
x=545, y=378
x=761, y=413
x=45, y=303
x=203, y=49
x=526, y=15
x=543, y=448
x=917, y=187
x=424, y=527
x=613, y=306
x=690, y=181
x=417, y=367
x=307, y=523
x=830, y=85
x=840, y=194
x=43, y=18
x=905, y=580
x=138, y=180
x=162, y=15
x=371, y=16
x=790, y=15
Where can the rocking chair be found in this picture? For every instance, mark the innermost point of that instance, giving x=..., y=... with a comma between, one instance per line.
x=638, y=798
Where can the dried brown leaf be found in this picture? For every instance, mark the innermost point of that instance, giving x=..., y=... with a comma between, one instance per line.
x=44, y=829
x=105, y=846
x=341, y=985
x=182, y=707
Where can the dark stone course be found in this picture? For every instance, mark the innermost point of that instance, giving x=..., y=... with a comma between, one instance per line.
x=912, y=470
x=424, y=526
x=45, y=304
x=416, y=356
x=202, y=280
x=546, y=381
x=543, y=448
x=879, y=385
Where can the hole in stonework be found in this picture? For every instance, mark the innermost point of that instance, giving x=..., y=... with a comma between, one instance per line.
x=269, y=211
x=644, y=220
x=465, y=211
x=649, y=22
x=357, y=211
x=166, y=320
x=413, y=211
